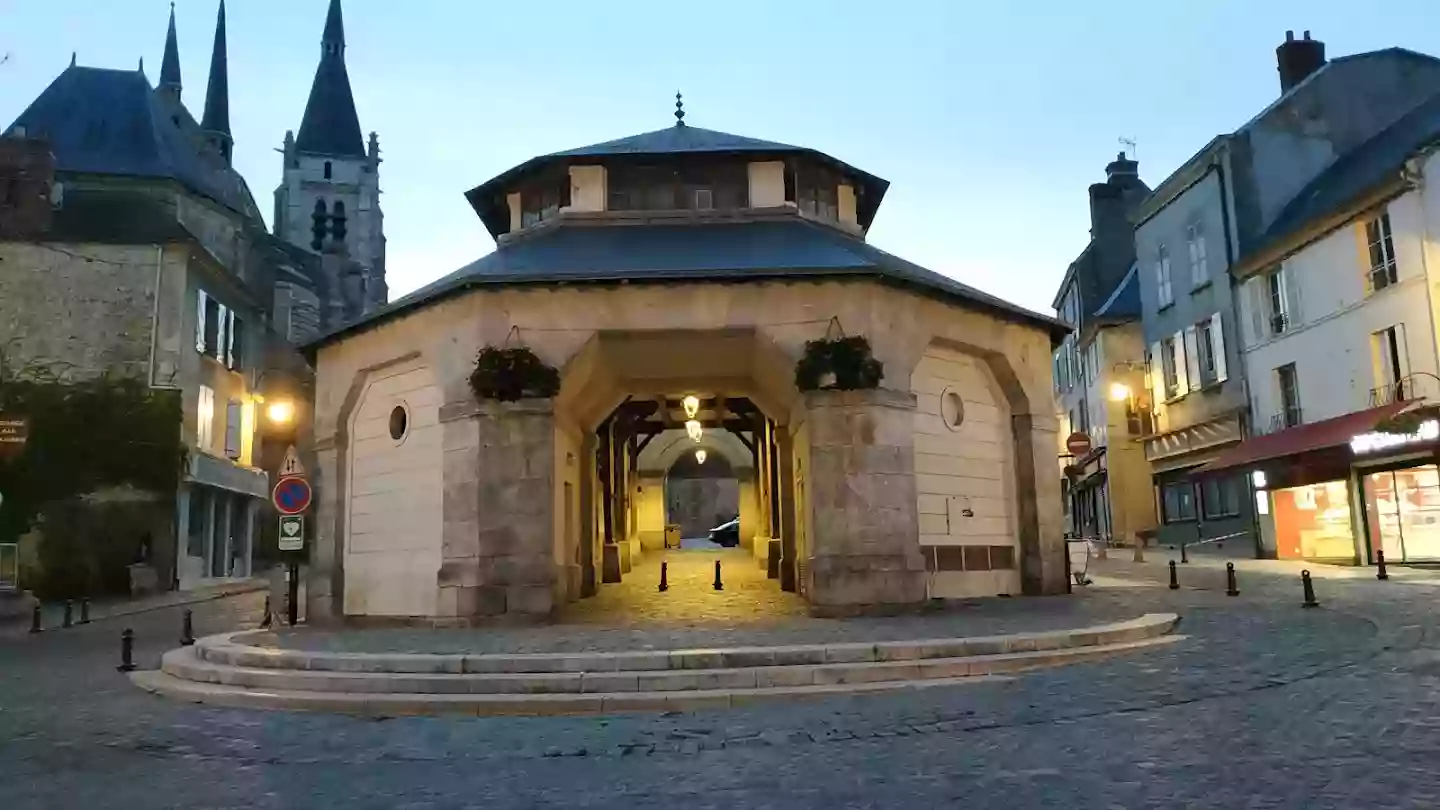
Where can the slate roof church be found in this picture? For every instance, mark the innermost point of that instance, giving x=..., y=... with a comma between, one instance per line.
x=130, y=245
x=679, y=283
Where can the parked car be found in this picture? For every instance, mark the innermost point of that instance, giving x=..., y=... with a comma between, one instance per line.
x=727, y=534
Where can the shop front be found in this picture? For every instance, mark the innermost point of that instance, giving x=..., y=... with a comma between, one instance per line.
x=1335, y=491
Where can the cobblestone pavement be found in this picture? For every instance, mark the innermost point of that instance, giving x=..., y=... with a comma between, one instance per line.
x=1265, y=704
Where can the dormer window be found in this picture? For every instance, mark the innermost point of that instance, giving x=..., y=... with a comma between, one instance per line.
x=817, y=191
x=328, y=170
x=543, y=197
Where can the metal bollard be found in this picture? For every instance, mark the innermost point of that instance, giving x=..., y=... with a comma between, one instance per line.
x=1309, y=590
x=719, y=586
x=1184, y=558
x=35, y=625
x=187, y=629
x=69, y=620
x=127, y=650
x=265, y=622
x=1231, y=587
x=1174, y=579
x=1380, y=572
x=664, y=576
x=84, y=610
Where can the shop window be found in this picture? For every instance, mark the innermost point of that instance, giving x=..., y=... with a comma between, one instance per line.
x=1313, y=522
x=199, y=520
x=1220, y=498
x=1402, y=513
x=1177, y=502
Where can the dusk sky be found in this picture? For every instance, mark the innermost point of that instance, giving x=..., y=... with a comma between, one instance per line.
x=989, y=120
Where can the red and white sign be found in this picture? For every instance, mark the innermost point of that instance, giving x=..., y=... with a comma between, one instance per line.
x=1078, y=444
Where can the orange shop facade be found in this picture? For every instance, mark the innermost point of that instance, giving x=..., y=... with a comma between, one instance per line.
x=1340, y=490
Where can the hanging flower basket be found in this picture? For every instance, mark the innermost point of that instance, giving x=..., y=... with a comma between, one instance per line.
x=512, y=374
x=1405, y=424
x=839, y=364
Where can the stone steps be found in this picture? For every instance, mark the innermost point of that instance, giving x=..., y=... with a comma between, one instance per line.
x=339, y=696
x=391, y=684
x=231, y=650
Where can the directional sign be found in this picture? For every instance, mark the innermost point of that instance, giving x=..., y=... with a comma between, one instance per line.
x=292, y=468
x=291, y=495
x=292, y=533
x=14, y=432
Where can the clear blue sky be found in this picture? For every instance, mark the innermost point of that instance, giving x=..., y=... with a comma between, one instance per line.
x=988, y=119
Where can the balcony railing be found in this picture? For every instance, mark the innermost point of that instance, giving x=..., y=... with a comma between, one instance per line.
x=1288, y=418
x=1409, y=388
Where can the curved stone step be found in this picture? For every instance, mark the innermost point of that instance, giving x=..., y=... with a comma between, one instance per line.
x=231, y=650
x=185, y=664
x=918, y=676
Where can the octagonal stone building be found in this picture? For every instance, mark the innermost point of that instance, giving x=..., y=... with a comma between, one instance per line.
x=672, y=277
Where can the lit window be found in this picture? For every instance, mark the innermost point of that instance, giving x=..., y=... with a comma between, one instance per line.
x=1382, y=252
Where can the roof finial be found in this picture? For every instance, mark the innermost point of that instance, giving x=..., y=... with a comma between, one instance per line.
x=142, y=64
x=679, y=109
x=72, y=59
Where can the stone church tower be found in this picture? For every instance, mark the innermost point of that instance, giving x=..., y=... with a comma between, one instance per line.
x=329, y=196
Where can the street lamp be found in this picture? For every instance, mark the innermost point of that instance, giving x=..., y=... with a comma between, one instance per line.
x=700, y=456
x=1119, y=392
x=280, y=412
x=694, y=430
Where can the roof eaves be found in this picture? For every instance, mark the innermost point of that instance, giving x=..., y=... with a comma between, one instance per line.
x=1192, y=171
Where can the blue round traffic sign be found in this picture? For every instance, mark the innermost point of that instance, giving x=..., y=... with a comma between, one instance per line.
x=291, y=496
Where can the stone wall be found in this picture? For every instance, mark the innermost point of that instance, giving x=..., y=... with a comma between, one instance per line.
x=865, y=553
x=499, y=526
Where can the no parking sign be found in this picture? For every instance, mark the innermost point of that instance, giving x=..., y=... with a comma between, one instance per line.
x=291, y=496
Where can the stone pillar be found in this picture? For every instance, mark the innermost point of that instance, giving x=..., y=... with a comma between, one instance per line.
x=785, y=491
x=865, y=538
x=1041, y=510
x=499, y=503
x=325, y=571
x=587, y=516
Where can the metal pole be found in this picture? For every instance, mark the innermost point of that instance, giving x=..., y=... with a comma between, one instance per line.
x=293, y=590
x=1380, y=572
x=1231, y=587
x=1309, y=589
x=127, y=650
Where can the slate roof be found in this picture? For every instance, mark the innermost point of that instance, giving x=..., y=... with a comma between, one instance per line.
x=1353, y=176
x=684, y=139
x=330, y=125
x=1124, y=303
x=217, y=92
x=101, y=121
x=786, y=248
x=170, y=62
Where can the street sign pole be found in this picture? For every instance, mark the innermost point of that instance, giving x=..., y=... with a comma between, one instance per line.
x=293, y=590
x=291, y=497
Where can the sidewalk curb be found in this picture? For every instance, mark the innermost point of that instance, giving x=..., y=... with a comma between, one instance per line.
x=19, y=628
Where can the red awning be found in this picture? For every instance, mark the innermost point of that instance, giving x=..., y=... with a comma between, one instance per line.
x=1323, y=435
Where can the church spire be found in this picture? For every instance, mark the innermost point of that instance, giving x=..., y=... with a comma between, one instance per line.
x=330, y=125
x=216, y=121
x=170, y=64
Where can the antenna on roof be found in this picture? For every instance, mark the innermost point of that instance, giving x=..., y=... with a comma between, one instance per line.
x=679, y=110
x=1129, y=144
x=72, y=59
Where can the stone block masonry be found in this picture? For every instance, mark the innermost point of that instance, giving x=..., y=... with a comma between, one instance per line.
x=496, y=557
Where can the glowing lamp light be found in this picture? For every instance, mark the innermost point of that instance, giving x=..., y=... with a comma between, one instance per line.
x=692, y=406
x=280, y=412
x=1119, y=392
x=693, y=430
x=700, y=456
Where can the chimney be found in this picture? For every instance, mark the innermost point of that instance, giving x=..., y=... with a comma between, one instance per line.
x=1298, y=58
x=1123, y=170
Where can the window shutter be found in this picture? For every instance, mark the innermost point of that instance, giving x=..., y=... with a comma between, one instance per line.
x=1192, y=358
x=1217, y=345
x=1292, y=298
x=1182, y=368
x=200, y=321
x=222, y=316
x=1157, y=374
x=232, y=430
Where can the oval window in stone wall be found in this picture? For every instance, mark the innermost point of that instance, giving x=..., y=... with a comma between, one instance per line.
x=952, y=409
x=399, y=423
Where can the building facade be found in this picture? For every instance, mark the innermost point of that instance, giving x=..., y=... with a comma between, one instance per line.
x=148, y=258
x=1340, y=348
x=1099, y=296
x=1211, y=211
x=677, y=264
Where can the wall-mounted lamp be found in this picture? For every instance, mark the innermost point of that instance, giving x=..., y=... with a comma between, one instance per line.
x=1119, y=392
x=280, y=412
x=692, y=406
x=700, y=456
x=693, y=430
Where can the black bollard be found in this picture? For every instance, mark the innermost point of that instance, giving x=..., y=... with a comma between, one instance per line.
x=187, y=629
x=127, y=650
x=1231, y=587
x=265, y=622
x=1380, y=572
x=664, y=576
x=69, y=620
x=1309, y=590
x=1174, y=579
x=84, y=610
x=719, y=586
x=1184, y=558
x=35, y=626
